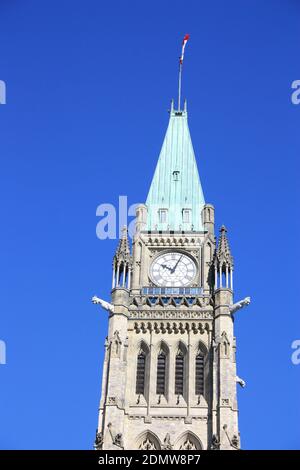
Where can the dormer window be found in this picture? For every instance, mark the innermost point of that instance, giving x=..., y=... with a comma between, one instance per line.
x=163, y=214
x=186, y=216
x=176, y=175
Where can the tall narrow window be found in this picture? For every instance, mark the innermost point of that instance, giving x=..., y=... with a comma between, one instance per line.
x=179, y=373
x=186, y=216
x=140, y=374
x=161, y=374
x=199, y=374
x=163, y=215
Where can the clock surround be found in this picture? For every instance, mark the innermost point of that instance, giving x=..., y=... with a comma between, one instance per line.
x=173, y=268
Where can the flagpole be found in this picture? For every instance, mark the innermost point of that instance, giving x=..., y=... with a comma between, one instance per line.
x=185, y=40
x=179, y=84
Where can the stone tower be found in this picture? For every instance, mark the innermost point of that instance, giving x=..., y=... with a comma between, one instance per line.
x=169, y=373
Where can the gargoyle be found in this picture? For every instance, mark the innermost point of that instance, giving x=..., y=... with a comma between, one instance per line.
x=98, y=441
x=234, y=442
x=117, y=438
x=106, y=305
x=240, y=381
x=242, y=303
x=215, y=442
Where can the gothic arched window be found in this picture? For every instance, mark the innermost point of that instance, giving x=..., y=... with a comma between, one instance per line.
x=148, y=441
x=188, y=445
x=199, y=374
x=179, y=373
x=147, y=444
x=140, y=373
x=188, y=441
x=161, y=374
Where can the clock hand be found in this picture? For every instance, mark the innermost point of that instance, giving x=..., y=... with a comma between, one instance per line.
x=167, y=267
x=173, y=270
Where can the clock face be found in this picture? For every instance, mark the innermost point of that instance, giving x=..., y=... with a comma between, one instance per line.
x=173, y=270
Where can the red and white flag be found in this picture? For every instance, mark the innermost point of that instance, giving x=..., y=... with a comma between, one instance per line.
x=185, y=40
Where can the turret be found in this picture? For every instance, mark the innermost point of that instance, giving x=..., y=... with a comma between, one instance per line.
x=208, y=218
x=122, y=263
x=141, y=218
x=223, y=263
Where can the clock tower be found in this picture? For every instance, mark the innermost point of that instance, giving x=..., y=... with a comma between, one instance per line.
x=169, y=372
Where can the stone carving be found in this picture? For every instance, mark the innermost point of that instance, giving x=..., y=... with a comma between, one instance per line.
x=224, y=342
x=162, y=327
x=147, y=444
x=195, y=253
x=198, y=327
x=188, y=420
x=173, y=242
x=167, y=443
x=234, y=442
x=116, y=345
x=115, y=401
x=240, y=381
x=106, y=305
x=98, y=440
x=165, y=314
x=111, y=401
x=224, y=337
x=148, y=419
x=125, y=349
x=171, y=302
x=225, y=402
x=238, y=305
x=117, y=337
x=117, y=438
x=188, y=445
x=215, y=442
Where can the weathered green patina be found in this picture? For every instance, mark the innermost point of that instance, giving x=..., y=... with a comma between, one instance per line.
x=176, y=187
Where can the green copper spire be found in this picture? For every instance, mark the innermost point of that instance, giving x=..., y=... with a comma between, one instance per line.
x=175, y=199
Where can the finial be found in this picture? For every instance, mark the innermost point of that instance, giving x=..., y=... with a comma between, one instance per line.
x=185, y=105
x=124, y=231
x=223, y=229
x=172, y=106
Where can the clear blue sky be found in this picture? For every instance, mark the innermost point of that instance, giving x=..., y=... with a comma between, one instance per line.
x=88, y=89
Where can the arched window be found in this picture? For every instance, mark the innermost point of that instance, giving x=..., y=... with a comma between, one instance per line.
x=179, y=373
x=188, y=441
x=148, y=441
x=188, y=445
x=161, y=374
x=140, y=373
x=199, y=374
x=147, y=444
